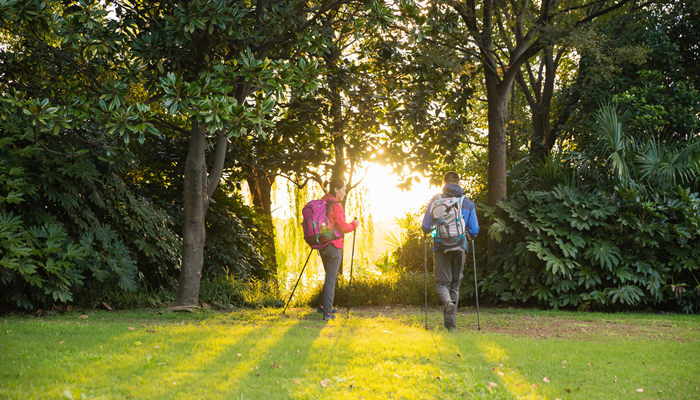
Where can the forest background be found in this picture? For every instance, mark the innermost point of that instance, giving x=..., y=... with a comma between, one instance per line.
x=133, y=131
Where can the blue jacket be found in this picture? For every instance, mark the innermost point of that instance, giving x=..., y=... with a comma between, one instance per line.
x=468, y=211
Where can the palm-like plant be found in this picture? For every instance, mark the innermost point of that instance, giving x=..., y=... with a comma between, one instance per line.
x=613, y=142
x=653, y=163
x=663, y=164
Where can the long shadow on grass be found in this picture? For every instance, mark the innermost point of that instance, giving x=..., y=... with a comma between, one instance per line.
x=149, y=360
x=372, y=357
x=491, y=365
x=251, y=366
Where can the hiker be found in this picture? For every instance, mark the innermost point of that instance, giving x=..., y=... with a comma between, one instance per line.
x=332, y=253
x=450, y=244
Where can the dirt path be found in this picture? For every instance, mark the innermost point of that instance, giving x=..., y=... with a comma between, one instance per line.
x=545, y=324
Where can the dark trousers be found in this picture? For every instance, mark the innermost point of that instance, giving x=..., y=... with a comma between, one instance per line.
x=449, y=271
x=332, y=258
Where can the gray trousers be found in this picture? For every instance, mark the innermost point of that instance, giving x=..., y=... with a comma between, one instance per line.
x=331, y=257
x=449, y=271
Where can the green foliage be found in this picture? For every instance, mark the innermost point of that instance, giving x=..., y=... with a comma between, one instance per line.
x=226, y=292
x=613, y=237
x=234, y=238
x=625, y=254
x=70, y=222
x=407, y=288
x=409, y=247
x=659, y=91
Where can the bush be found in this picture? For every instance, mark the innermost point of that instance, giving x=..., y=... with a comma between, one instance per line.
x=225, y=292
x=398, y=288
x=614, y=226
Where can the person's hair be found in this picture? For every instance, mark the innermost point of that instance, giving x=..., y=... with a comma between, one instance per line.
x=452, y=177
x=335, y=184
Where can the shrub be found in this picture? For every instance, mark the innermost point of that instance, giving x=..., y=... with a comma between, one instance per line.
x=595, y=230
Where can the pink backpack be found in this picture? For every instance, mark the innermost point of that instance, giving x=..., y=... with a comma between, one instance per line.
x=317, y=230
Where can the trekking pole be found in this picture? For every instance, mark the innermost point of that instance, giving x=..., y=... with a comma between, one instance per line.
x=295, y=285
x=476, y=289
x=352, y=257
x=425, y=269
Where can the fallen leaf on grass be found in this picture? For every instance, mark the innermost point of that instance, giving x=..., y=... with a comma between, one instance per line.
x=640, y=390
x=275, y=365
x=131, y=328
x=491, y=386
x=107, y=306
x=83, y=316
x=615, y=380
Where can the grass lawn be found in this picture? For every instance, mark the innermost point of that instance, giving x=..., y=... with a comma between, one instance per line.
x=376, y=353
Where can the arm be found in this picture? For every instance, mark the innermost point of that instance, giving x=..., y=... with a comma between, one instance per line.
x=469, y=213
x=427, y=224
x=338, y=217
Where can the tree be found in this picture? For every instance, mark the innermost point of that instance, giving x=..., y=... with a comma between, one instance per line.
x=205, y=70
x=218, y=68
x=504, y=36
x=75, y=226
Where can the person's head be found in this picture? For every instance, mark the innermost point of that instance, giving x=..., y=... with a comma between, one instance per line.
x=337, y=188
x=451, y=177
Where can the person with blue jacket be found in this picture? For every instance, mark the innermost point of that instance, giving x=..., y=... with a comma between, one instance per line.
x=449, y=264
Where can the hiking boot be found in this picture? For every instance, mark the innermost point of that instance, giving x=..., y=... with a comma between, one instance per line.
x=449, y=313
x=328, y=316
x=321, y=310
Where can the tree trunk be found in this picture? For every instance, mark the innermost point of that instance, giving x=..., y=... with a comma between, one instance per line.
x=196, y=203
x=541, y=129
x=539, y=95
x=260, y=184
x=497, y=92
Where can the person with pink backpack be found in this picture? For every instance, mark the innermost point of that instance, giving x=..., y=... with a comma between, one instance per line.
x=332, y=251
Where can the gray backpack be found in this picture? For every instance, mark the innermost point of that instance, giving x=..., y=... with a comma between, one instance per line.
x=449, y=232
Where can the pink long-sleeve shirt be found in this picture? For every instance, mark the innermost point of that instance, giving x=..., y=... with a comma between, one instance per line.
x=336, y=217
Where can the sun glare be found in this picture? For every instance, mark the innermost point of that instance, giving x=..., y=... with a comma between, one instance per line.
x=386, y=200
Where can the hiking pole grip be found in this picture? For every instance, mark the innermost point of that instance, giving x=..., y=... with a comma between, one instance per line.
x=425, y=270
x=476, y=289
x=352, y=258
x=295, y=285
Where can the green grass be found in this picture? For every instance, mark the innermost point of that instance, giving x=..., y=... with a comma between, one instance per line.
x=376, y=353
